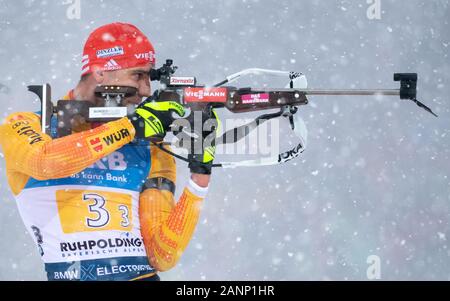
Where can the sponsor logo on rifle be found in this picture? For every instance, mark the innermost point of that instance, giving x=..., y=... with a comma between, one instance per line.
x=182, y=81
x=205, y=94
x=255, y=98
x=114, y=51
x=107, y=112
x=290, y=154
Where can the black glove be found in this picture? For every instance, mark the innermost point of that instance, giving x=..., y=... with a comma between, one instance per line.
x=200, y=142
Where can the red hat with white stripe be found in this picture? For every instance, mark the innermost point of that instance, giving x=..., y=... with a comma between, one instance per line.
x=116, y=46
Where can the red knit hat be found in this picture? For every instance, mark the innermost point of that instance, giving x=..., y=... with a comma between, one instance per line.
x=116, y=46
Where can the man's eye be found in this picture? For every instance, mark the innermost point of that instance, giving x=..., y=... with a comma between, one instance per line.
x=137, y=76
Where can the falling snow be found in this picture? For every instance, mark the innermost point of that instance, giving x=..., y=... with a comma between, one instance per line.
x=374, y=180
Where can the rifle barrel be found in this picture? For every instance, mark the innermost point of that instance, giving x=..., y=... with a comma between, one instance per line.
x=352, y=92
x=391, y=92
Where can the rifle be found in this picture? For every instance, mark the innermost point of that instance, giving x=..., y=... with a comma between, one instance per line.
x=239, y=100
x=185, y=91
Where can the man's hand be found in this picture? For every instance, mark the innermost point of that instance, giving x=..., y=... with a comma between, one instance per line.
x=200, y=142
x=202, y=156
x=152, y=119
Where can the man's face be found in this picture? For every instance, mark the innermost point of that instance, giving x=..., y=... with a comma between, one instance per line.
x=137, y=77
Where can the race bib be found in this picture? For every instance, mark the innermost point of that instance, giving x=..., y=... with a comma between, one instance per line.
x=90, y=210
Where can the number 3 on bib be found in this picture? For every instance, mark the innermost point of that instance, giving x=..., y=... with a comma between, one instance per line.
x=82, y=210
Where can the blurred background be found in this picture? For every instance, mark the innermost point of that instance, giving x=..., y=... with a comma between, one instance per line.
x=374, y=180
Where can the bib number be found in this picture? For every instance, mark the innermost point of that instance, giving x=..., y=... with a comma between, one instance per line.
x=83, y=210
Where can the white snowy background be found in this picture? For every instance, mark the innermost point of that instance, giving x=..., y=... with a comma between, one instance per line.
x=375, y=179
